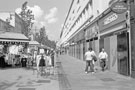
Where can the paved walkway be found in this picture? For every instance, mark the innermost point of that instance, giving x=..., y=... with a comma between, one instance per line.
x=24, y=79
x=74, y=78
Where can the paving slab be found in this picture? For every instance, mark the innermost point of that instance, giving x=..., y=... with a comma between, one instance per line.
x=76, y=79
x=23, y=79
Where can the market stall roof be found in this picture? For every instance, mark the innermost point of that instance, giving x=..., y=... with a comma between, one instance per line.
x=44, y=46
x=33, y=43
x=15, y=37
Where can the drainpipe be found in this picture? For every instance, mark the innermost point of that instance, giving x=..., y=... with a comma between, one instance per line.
x=129, y=31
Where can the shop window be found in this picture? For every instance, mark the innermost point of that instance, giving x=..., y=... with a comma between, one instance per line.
x=101, y=44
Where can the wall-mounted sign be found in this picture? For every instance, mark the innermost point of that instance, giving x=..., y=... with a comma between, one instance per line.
x=91, y=31
x=119, y=7
x=110, y=18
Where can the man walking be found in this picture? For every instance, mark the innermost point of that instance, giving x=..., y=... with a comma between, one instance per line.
x=103, y=59
x=89, y=60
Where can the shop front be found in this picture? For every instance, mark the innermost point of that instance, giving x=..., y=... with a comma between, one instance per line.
x=91, y=37
x=13, y=46
x=114, y=38
x=79, y=42
x=76, y=45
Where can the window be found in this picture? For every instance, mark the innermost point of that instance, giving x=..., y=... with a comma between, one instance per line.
x=78, y=8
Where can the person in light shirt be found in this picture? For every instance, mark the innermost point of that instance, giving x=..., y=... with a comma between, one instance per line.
x=89, y=60
x=103, y=59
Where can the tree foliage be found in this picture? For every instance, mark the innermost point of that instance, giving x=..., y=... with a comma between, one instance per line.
x=42, y=38
x=27, y=16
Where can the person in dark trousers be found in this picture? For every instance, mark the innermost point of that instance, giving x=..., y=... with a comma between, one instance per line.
x=52, y=58
x=2, y=60
x=24, y=61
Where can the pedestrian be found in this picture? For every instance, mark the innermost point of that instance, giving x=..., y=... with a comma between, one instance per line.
x=2, y=60
x=24, y=61
x=41, y=63
x=52, y=58
x=89, y=60
x=103, y=59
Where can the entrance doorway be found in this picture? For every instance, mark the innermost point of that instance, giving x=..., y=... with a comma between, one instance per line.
x=123, y=53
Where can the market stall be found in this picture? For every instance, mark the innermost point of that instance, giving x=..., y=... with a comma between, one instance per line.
x=13, y=45
x=32, y=52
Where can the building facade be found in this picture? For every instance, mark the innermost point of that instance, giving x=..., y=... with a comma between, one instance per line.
x=80, y=15
x=20, y=25
x=93, y=23
x=11, y=22
x=4, y=26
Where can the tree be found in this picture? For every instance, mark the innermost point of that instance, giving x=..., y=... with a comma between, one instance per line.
x=27, y=16
x=42, y=38
x=42, y=35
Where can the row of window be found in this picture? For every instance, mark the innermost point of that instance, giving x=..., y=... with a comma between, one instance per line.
x=84, y=16
x=72, y=17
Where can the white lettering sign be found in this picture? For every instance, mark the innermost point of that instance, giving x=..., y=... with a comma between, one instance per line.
x=110, y=19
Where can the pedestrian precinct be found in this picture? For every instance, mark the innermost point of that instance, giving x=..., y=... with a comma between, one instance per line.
x=89, y=60
x=103, y=59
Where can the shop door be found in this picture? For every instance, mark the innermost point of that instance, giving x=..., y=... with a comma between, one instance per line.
x=81, y=51
x=123, y=53
x=84, y=49
x=107, y=49
x=113, y=53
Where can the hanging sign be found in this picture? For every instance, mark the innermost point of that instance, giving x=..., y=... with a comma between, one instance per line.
x=119, y=7
x=110, y=18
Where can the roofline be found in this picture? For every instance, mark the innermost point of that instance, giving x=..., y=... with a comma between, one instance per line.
x=67, y=15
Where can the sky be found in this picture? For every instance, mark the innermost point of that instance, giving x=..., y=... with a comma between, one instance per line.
x=48, y=13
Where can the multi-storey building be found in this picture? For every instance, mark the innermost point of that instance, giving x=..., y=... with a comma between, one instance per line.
x=12, y=22
x=100, y=24
x=4, y=26
x=82, y=12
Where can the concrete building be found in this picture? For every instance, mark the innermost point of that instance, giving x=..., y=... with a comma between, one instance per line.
x=11, y=22
x=4, y=26
x=94, y=23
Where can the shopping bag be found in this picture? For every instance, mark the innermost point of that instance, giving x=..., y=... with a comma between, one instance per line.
x=94, y=58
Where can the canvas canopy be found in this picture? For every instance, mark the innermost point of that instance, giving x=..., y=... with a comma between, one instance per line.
x=13, y=37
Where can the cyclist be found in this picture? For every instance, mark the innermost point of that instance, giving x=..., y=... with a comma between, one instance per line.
x=41, y=63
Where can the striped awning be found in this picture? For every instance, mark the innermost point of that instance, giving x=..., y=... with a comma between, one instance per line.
x=33, y=43
x=13, y=37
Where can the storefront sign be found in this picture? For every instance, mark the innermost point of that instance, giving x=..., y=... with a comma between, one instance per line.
x=92, y=31
x=110, y=18
x=119, y=7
